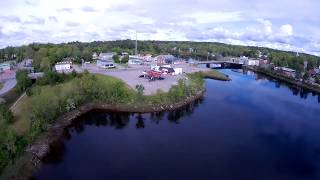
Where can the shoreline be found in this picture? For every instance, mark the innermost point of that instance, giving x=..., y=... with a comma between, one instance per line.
x=285, y=79
x=31, y=159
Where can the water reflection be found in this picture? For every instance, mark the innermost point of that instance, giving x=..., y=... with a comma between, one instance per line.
x=296, y=90
x=248, y=132
x=140, y=121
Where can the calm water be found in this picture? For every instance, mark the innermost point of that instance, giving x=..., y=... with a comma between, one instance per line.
x=249, y=128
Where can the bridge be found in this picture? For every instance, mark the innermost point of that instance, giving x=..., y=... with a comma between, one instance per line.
x=223, y=64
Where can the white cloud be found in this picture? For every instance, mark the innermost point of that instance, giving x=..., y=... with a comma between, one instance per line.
x=215, y=17
x=286, y=30
x=270, y=23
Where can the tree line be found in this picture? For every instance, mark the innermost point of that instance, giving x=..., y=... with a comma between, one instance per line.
x=46, y=55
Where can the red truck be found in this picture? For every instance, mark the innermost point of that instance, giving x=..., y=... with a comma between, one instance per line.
x=152, y=75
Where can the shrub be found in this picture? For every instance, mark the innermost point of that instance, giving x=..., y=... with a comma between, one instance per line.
x=6, y=115
x=140, y=89
x=23, y=81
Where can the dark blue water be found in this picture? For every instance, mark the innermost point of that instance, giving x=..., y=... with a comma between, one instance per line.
x=249, y=128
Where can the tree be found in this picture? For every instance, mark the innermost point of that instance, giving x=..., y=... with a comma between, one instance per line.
x=125, y=59
x=23, y=81
x=116, y=58
x=6, y=115
x=87, y=54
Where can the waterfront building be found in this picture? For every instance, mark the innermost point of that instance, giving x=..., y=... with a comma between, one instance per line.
x=105, y=63
x=62, y=66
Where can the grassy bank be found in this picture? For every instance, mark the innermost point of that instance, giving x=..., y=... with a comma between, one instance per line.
x=214, y=74
x=43, y=104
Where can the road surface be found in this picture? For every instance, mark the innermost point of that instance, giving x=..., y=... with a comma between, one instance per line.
x=8, y=79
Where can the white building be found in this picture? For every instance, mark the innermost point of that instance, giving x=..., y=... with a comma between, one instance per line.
x=94, y=56
x=105, y=63
x=106, y=56
x=62, y=66
x=252, y=62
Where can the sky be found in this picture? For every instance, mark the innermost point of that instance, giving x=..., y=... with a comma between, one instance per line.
x=292, y=25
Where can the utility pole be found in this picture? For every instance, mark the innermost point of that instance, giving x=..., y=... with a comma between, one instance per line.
x=136, y=49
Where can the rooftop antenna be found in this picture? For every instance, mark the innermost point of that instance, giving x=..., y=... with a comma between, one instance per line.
x=136, y=49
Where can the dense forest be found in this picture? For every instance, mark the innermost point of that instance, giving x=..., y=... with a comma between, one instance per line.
x=45, y=55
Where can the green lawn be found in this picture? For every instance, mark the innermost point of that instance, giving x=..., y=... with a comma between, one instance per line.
x=53, y=97
x=214, y=74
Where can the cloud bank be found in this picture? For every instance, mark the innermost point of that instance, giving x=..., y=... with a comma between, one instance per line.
x=276, y=24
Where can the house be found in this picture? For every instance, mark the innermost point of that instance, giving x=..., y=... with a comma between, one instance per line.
x=106, y=56
x=94, y=56
x=288, y=72
x=28, y=62
x=251, y=62
x=105, y=63
x=134, y=60
x=165, y=59
x=62, y=66
x=5, y=67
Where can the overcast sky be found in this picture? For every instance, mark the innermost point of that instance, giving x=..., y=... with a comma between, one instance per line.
x=281, y=24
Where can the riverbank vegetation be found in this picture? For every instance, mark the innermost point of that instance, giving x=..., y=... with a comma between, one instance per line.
x=51, y=97
x=214, y=74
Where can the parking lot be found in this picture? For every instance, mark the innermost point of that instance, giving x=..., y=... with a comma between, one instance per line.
x=131, y=76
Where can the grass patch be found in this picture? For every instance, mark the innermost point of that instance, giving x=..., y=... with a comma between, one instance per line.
x=214, y=74
x=1, y=86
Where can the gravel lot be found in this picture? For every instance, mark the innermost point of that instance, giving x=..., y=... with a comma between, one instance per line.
x=131, y=76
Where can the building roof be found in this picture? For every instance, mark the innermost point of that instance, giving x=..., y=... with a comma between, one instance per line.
x=106, y=54
x=288, y=69
x=63, y=62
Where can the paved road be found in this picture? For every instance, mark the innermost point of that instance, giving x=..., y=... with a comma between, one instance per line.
x=7, y=86
x=8, y=79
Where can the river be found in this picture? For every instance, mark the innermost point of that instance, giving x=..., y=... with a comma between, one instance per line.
x=248, y=128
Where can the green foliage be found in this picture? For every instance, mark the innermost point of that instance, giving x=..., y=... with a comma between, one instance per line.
x=10, y=144
x=116, y=58
x=23, y=81
x=53, y=78
x=140, y=89
x=125, y=59
x=187, y=87
x=6, y=115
